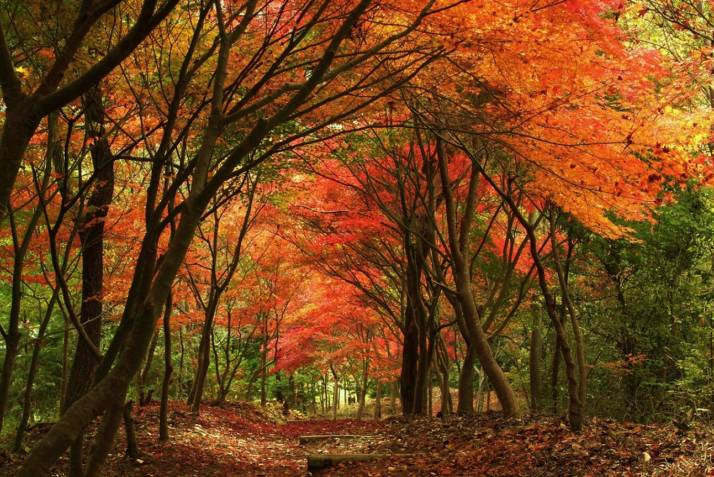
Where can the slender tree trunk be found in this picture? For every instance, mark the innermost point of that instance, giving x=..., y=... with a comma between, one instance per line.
x=105, y=438
x=535, y=368
x=430, y=401
x=462, y=278
x=410, y=358
x=132, y=450
x=336, y=394
x=378, y=400
x=168, y=371
x=264, y=371
x=145, y=393
x=554, y=375
x=12, y=345
x=480, y=392
x=495, y=374
x=34, y=362
x=362, y=396
x=575, y=405
x=204, y=362
x=579, y=344
x=465, y=406
x=182, y=349
x=443, y=376
x=65, y=363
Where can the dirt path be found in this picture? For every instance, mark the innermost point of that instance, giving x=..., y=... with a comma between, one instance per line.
x=230, y=441
x=242, y=440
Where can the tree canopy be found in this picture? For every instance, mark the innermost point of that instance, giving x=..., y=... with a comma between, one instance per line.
x=312, y=202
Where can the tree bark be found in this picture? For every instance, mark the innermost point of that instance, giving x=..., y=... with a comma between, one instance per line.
x=462, y=278
x=378, y=400
x=91, y=235
x=362, y=397
x=145, y=393
x=465, y=406
x=168, y=371
x=132, y=450
x=535, y=368
x=204, y=359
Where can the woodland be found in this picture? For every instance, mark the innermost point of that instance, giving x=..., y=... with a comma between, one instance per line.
x=356, y=237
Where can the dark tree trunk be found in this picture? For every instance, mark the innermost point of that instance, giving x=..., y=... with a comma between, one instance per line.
x=204, y=360
x=554, y=375
x=20, y=125
x=461, y=260
x=91, y=234
x=536, y=370
x=408, y=376
x=12, y=345
x=146, y=392
x=447, y=406
x=465, y=406
x=132, y=450
x=168, y=371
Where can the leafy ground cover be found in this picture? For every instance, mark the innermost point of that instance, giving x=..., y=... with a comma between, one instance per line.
x=242, y=440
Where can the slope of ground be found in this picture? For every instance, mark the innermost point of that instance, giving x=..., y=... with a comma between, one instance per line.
x=535, y=446
x=242, y=440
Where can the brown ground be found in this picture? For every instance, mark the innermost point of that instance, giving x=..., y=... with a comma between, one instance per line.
x=240, y=440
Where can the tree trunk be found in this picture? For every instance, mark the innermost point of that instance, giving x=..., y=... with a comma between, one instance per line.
x=91, y=234
x=168, y=371
x=12, y=345
x=461, y=271
x=182, y=349
x=430, y=400
x=493, y=371
x=132, y=449
x=535, y=368
x=19, y=127
x=408, y=376
x=145, y=393
x=443, y=377
x=34, y=362
x=465, y=406
x=264, y=367
x=554, y=375
x=111, y=390
x=378, y=400
x=336, y=394
x=199, y=379
x=362, y=396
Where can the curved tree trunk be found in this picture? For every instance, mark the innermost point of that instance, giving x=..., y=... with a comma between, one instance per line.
x=458, y=244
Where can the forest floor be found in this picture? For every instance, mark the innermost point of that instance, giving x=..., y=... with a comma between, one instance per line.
x=240, y=440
